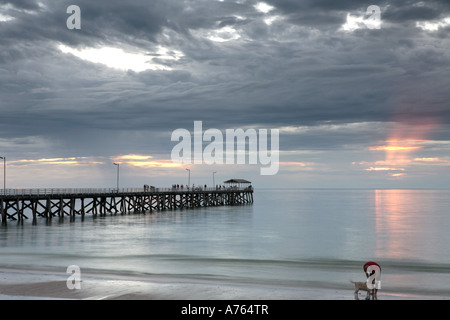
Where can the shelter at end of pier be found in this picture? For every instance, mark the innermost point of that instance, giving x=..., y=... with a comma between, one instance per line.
x=238, y=183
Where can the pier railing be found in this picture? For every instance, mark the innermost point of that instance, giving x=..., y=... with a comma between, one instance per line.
x=81, y=191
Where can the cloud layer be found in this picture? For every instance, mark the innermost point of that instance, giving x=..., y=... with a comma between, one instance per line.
x=285, y=64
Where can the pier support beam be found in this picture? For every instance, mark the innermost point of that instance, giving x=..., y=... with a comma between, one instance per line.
x=3, y=211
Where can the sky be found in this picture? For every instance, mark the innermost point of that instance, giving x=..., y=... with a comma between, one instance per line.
x=360, y=98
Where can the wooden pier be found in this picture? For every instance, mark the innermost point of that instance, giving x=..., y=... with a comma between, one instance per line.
x=21, y=204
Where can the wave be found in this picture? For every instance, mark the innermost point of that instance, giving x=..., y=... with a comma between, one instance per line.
x=391, y=266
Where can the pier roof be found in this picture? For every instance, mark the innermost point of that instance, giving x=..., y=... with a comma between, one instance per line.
x=237, y=181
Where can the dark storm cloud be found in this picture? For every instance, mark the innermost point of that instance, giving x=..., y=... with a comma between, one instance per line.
x=325, y=13
x=21, y=4
x=104, y=22
x=399, y=11
x=117, y=22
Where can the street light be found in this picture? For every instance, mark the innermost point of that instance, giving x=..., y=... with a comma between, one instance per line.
x=214, y=183
x=117, y=164
x=189, y=179
x=4, y=174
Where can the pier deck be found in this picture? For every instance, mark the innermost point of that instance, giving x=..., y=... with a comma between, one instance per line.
x=20, y=204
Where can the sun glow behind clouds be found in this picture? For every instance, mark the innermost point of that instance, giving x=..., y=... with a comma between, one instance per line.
x=224, y=34
x=4, y=18
x=144, y=161
x=263, y=7
x=119, y=59
x=353, y=23
x=71, y=161
x=134, y=160
x=433, y=26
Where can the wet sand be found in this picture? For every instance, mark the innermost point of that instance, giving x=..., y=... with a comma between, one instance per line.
x=21, y=284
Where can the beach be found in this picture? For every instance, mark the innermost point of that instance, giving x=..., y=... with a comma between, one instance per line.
x=40, y=285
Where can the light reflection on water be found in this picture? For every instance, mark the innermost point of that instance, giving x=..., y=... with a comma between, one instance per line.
x=411, y=224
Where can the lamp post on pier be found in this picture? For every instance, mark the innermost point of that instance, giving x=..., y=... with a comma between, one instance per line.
x=189, y=179
x=214, y=183
x=117, y=164
x=4, y=174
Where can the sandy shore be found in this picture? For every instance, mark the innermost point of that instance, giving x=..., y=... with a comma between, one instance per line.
x=19, y=284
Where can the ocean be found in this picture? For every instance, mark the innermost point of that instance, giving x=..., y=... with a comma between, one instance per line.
x=288, y=242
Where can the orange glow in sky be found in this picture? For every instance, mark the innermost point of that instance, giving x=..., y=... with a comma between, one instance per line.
x=405, y=138
x=394, y=148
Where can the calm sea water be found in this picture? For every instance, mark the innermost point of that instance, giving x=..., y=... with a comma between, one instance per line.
x=288, y=238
